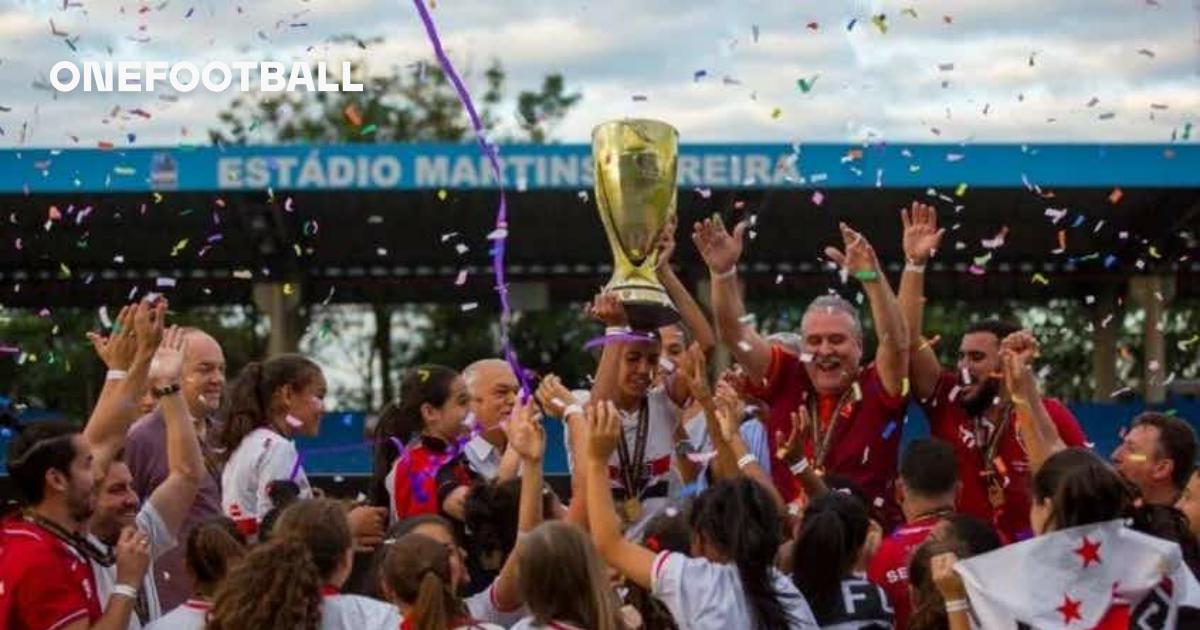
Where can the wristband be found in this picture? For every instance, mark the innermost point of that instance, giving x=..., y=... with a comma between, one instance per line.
x=125, y=590
x=914, y=267
x=616, y=330
x=746, y=460
x=116, y=375
x=799, y=467
x=725, y=274
x=957, y=605
x=866, y=275
x=572, y=409
x=162, y=392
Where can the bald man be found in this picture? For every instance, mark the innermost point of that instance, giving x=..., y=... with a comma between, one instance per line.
x=493, y=388
x=146, y=455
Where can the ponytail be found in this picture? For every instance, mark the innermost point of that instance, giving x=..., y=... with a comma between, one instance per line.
x=416, y=570
x=401, y=420
x=738, y=518
x=252, y=394
x=1083, y=489
x=211, y=550
x=827, y=548
x=276, y=586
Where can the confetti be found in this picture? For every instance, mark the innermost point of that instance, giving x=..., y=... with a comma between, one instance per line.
x=352, y=115
x=857, y=391
x=699, y=74
x=889, y=429
x=818, y=197
x=880, y=22
x=469, y=306
x=806, y=85
x=1040, y=279
x=776, y=113
x=1115, y=196
x=164, y=282
x=961, y=190
x=702, y=458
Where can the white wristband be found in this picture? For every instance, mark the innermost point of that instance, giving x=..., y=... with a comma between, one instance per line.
x=125, y=590
x=616, y=330
x=572, y=409
x=725, y=274
x=957, y=605
x=116, y=375
x=914, y=267
x=746, y=460
x=799, y=467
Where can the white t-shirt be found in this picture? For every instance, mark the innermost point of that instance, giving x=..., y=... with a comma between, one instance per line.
x=262, y=457
x=483, y=607
x=660, y=448
x=187, y=616
x=704, y=595
x=341, y=611
x=161, y=539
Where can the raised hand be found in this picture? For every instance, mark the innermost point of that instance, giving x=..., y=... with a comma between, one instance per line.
x=604, y=429
x=857, y=258
x=921, y=233
x=526, y=435
x=133, y=556
x=694, y=372
x=119, y=347
x=719, y=249
x=554, y=396
x=945, y=578
x=608, y=310
x=167, y=365
x=666, y=243
x=792, y=450
x=148, y=325
x=729, y=399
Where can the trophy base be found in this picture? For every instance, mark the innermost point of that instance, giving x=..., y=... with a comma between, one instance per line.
x=647, y=308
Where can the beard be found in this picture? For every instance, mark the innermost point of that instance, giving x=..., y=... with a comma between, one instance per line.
x=982, y=399
x=80, y=507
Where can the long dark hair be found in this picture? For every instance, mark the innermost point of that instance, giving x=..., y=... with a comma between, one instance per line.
x=1083, y=489
x=834, y=531
x=401, y=419
x=966, y=537
x=212, y=549
x=739, y=519
x=252, y=393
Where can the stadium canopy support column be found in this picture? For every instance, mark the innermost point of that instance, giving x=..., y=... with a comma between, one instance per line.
x=282, y=309
x=1152, y=293
x=1106, y=321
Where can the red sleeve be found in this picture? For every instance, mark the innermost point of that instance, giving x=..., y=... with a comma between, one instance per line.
x=45, y=603
x=401, y=487
x=781, y=364
x=1068, y=427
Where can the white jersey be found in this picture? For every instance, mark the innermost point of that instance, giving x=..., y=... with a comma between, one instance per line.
x=162, y=540
x=262, y=456
x=528, y=623
x=705, y=595
x=354, y=612
x=190, y=615
x=657, y=460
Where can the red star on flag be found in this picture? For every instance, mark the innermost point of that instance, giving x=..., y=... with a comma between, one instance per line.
x=1089, y=552
x=1069, y=609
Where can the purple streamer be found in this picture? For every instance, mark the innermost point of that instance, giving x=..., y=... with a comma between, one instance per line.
x=623, y=337
x=488, y=150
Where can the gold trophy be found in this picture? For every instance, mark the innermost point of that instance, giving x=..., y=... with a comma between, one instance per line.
x=635, y=163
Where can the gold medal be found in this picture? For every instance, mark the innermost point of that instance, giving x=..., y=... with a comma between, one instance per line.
x=633, y=509
x=996, y=495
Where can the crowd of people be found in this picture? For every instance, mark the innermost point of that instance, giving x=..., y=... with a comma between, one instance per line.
x=771, y=495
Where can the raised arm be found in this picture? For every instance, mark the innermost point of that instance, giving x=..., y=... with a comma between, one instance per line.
x=129, y=351
x=792, y=453
x=721, y=251
x=633, y=561
x=608, y=309
x=858, y=260
x=1034, y=424
x=689, y=310
x=559, y=400
x=173, y=498
x=527, y=438
x=921, y=240
x=729, y=413
x=695, y=374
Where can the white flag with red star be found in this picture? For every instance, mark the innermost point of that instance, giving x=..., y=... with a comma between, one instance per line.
x=1097, y=576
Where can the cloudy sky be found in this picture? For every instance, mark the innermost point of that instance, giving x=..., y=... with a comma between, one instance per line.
x=720, y=70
